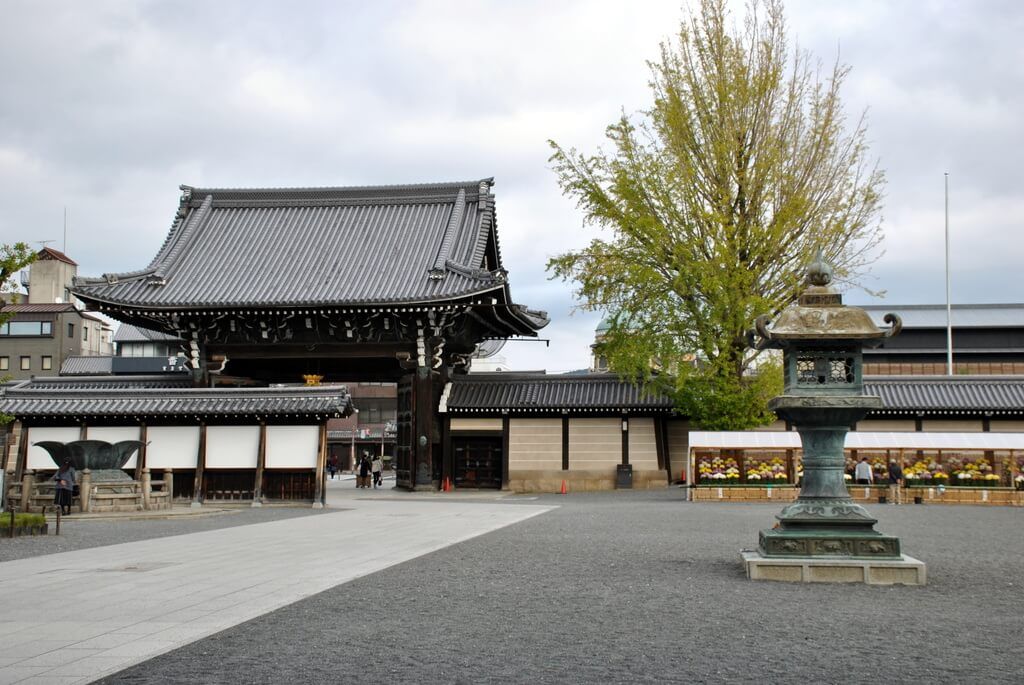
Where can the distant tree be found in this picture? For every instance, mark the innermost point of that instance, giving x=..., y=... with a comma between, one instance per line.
x=13, y=258
x=708, y=204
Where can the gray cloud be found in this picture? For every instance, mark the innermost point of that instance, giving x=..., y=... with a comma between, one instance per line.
x=107, y=106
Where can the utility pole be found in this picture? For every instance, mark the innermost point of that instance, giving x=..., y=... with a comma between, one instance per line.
x=949, y=307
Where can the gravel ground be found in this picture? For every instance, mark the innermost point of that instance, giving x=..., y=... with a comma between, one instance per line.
x=83, y=533
x=641, y=587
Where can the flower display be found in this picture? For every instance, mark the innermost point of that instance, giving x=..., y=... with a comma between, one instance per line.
x=718, y=470
x=978, y=472
x=770, y=471
x=925, y=473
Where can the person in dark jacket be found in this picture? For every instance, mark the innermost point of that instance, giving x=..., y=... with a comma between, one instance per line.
x=65, y=479
x=895, y=483
x=364, y=471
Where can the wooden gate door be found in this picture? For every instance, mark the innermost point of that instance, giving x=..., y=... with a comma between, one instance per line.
x=404, y=467
x=477, y=462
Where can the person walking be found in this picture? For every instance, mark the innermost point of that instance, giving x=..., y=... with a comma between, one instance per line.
x=862, y=474
x=332, y=465
x=895, y=483
x=377, y=467
x=65, y=479
x=364, y=472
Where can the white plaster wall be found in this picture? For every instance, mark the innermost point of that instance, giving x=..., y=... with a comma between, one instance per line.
x=114, y=434
x=595, y=444
x=37, y=457
x=232, y=447
x=172, y=447
x=643, y=450
x=885, y=425
x=292, y=447
x=534, y=444
x=951, y=426
x=489, y=424
x=1006, y=426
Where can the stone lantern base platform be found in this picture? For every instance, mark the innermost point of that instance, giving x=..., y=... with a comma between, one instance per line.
x=902, y=570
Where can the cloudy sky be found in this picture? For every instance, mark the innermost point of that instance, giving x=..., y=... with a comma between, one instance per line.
x=106, y=107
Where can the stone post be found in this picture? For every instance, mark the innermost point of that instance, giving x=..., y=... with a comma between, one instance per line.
x=147, y=484
x=169, y=486
x=85, y=489
x=28, y=483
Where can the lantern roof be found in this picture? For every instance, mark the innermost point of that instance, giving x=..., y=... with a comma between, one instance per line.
x=820, y=315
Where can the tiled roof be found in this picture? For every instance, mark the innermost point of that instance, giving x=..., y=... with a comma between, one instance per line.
x=50, y=253
x=1002, y=394
x=39, y=308
x=127, y=333
x=82, y=365
x=162, y=397
x=961, y=315
x=535, y=392
x=363, y=246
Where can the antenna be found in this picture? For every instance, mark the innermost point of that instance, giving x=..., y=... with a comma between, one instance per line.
x=44, y=243
x=65, y=250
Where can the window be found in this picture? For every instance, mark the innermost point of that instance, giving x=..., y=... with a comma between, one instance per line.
x=71, y=330
x=26, y=363
x=47, y=364
x=27, y=328
x=85, y=333
x=5, y=363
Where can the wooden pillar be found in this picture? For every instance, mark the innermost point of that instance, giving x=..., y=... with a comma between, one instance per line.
x=565, y=442
x=197, y=491
x=22, y=460
x=505, y=428
x=321, y=460
x=83, y=432
x=261, y=463
x=625, y=439
x=447, y=457
x=660, y=447
x=422, y=448
x=140, y=458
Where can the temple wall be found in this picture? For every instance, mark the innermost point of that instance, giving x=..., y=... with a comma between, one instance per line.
x=886, y=425
x=232, y=447
x=490, y=424
x=114, y=434
x=535, y=444
x=38, y=458
x=292, y=447
x=643, y=449
x=172, y=447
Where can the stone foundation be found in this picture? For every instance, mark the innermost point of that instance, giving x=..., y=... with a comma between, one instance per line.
x=581, y=481
x=902, y=571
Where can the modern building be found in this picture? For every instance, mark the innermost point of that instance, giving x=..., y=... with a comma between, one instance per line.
x=988, y=339
x=51, y=326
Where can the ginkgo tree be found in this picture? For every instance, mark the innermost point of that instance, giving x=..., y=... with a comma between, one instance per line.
x=707, y=205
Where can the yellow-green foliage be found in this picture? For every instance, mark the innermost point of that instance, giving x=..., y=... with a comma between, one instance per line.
x=710, y=202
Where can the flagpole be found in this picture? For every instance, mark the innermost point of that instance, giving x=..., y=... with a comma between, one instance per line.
x=949, y=308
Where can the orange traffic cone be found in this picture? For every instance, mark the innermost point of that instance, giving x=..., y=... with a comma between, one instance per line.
x=563, y=488
x=447, y=485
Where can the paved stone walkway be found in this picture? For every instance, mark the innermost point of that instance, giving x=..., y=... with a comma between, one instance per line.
x=76, y=616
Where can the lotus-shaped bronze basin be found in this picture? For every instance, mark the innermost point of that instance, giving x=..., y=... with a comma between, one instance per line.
x=91, y=454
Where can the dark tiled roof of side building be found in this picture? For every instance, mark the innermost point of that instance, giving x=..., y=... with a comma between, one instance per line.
x=537, y=393
x=495, y=392
x=115, y=396
x=321, y=247
x=971, y=394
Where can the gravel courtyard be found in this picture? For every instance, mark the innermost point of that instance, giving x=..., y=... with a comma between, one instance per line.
x=636, y=587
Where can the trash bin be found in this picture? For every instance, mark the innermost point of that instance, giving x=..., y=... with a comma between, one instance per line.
x=623, y=476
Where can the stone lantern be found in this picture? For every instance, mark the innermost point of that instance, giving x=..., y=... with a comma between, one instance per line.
x=824, y=535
